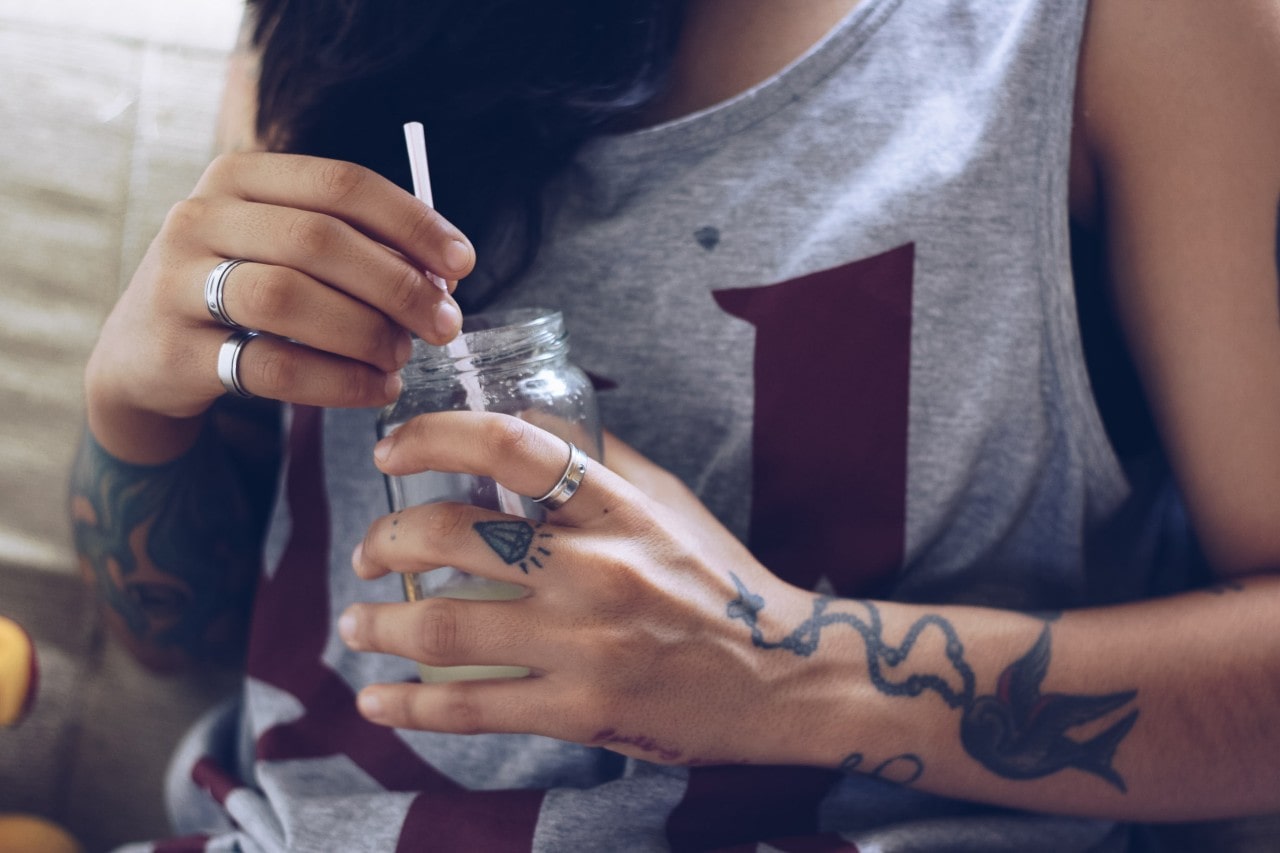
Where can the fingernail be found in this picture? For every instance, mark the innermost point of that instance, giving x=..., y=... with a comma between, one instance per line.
x=440, y=284
x=458, y=255
x=370, y=704
x=448, y=319
x=347, y=628
x=394, y=384
x=356, y=554
x=382, y=449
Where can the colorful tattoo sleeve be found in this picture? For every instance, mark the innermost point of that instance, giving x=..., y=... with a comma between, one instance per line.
x=174, y=549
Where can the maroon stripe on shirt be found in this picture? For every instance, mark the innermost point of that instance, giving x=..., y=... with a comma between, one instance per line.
x=727, y=806
x=829, y=482
x=489, y=821
x=210, y=777
x=185, y=844
x=291, y=627
x=292, y=616
x=829, y=456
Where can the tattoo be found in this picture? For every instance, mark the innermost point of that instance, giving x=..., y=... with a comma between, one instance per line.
x=903, y=769
x=516, y=542
x=1017, y=733
x=173, y=549
x=1020, y=733
x=803, y=641
x=608, y=737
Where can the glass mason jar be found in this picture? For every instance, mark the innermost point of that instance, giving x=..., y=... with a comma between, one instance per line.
x=514, y=362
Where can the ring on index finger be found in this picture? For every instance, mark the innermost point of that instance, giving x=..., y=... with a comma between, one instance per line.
x=214, y=292
x=569, y=481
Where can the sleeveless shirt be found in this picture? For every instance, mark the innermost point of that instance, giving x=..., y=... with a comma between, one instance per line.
x=840, y=307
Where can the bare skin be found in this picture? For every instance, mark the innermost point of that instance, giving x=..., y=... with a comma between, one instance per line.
x=1161, y=710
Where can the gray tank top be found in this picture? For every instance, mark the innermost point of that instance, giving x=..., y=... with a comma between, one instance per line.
x=840, y=307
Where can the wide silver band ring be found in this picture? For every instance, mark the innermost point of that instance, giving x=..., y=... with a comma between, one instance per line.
x=560, y=493
x=214, y=292
x=229, y=361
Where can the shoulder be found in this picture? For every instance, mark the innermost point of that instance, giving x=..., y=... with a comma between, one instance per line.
x=1162, y=75
x=1178, y=109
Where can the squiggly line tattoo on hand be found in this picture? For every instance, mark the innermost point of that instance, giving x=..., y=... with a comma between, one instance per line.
x=1018, y=732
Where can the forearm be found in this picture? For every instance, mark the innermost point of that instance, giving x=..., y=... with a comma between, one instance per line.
x=1164, y=710
x=173, y=548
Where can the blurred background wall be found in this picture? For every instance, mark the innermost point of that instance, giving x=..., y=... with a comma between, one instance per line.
x=107, y=112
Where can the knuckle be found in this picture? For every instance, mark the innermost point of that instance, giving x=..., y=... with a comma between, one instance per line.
x=404, y=292
x=426, y=229
x=463, y=710
x=312, y=233
x=339, y=180
x=273, y=368
x=440, y=525
x=222, y=168
x=267, y=292
x=357, y=386
x=185, y=216
x=438, y=631
x=506, y=437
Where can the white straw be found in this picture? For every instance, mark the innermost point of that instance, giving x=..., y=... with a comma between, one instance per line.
x=415, y=140
x=417, y=144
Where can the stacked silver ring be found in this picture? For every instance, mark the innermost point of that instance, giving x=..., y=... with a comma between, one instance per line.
x=229, y=361
x=569, y=481
x=214, y=292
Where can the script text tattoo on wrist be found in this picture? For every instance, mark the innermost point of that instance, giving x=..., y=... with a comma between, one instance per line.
x=518, y=543
x=1018, y=732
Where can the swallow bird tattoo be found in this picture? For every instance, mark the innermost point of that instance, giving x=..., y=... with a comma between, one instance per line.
x=1021, y=733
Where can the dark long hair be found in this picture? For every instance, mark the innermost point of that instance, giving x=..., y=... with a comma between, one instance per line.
x=506, y=89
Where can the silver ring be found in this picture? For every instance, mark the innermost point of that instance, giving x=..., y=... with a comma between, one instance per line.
x=569, y=481
x=229, y=361
x=214, y=296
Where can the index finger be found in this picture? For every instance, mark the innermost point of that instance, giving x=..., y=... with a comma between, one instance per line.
x=522, y=457
x=359, y=196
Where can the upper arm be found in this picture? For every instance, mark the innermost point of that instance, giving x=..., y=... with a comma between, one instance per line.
x=238, y=110
x=1181, y=102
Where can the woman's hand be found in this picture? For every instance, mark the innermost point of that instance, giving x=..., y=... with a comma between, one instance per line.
x=335, y=278
x=625, y=628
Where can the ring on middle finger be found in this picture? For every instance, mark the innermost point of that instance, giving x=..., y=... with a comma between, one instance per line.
x=215, y=292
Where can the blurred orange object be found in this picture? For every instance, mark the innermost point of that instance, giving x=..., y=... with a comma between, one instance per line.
x=26, y=834
x=19, y=674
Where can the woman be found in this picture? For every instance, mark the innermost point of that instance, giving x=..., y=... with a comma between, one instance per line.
x=907, y=569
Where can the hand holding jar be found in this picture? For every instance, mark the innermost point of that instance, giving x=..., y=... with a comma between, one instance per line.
x=621, y=623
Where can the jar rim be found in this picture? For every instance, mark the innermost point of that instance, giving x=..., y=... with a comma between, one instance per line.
x=493, y=336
